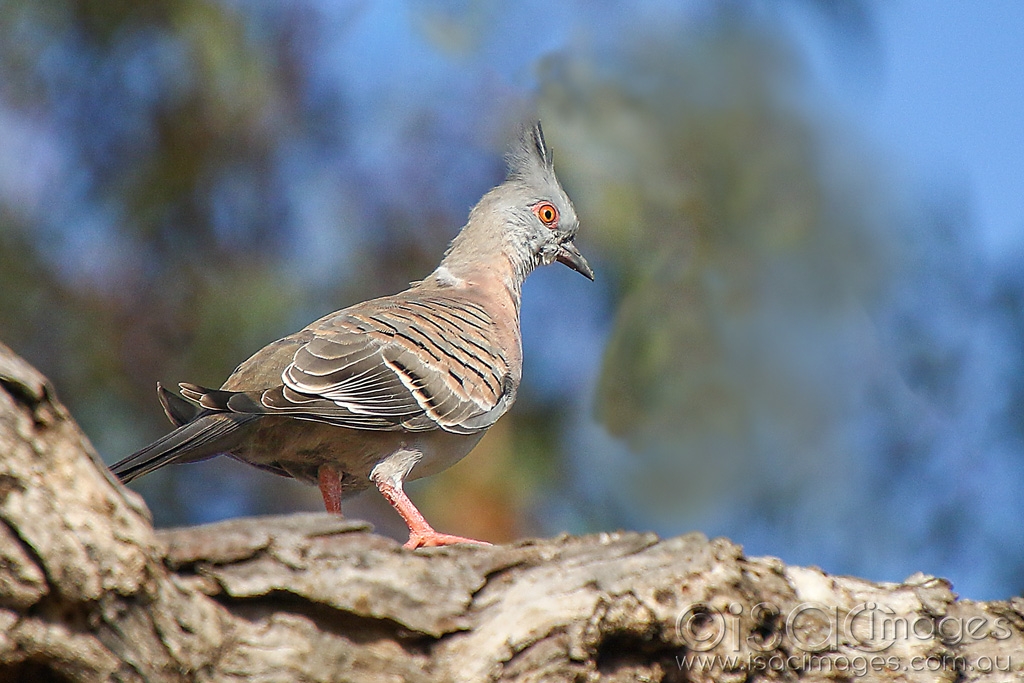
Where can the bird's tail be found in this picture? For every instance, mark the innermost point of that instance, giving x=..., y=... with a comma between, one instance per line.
x=204, y=437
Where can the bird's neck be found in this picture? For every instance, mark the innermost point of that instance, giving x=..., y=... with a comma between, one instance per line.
x=494, y=268
x=486, y=254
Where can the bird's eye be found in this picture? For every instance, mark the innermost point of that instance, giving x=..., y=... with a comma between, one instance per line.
x=547, y=213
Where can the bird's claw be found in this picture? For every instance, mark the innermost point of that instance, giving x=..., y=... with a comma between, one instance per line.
x=433, y=539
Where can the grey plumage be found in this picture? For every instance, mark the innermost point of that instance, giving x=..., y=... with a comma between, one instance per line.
x=396, y=387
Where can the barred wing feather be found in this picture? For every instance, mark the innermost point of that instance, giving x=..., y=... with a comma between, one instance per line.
x=399, y=364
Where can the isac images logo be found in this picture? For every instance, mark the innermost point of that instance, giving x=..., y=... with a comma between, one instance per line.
x=822, y=637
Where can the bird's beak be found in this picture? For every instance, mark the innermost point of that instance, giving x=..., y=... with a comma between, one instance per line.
x=571, y=256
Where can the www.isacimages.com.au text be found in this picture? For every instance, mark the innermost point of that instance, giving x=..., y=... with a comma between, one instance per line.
x=856, y=665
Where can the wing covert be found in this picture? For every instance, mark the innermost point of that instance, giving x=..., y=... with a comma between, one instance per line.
x=413, y=364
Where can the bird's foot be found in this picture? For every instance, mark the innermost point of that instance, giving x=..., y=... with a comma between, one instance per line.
x=428, y=538
x=421, y=534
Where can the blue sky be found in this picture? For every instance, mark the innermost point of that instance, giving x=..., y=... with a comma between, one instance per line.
x=944, y=101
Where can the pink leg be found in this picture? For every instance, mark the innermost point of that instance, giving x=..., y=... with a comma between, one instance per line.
x=329, y=479
x=421, y=534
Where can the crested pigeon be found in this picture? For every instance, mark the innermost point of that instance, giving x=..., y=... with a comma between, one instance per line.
x=398, y=387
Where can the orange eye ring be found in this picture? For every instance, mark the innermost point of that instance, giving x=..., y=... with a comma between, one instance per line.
x=547, y=213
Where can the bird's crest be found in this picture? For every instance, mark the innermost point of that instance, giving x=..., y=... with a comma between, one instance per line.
x=529, y=156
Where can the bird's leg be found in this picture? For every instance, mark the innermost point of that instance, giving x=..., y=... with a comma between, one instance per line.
x=421, y=534
x=329, y=479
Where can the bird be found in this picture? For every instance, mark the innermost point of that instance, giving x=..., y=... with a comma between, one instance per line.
x=393, y=388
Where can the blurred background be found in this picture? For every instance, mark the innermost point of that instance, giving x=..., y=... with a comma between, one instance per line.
x=807, y=330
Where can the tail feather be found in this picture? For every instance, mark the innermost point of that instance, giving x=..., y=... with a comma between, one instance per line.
x=178, y=410
x=204, y=437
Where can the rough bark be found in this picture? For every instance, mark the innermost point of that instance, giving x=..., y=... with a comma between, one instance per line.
x=90, y=592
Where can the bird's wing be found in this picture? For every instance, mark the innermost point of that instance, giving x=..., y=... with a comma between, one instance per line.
x=414, y=364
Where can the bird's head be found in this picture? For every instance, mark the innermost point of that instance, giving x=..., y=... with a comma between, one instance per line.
x=528, y=219
x=540, y=214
